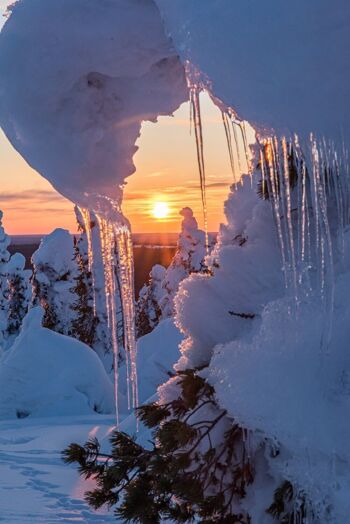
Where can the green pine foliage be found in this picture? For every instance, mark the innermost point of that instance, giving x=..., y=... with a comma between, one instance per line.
x=84, y=322
x=184, y=476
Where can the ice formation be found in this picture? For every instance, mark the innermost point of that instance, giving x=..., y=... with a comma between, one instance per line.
x=272, y=321
x=86, y=75
x=77, y=80
x=282, y=66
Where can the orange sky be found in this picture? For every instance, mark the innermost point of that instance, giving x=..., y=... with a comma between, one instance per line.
x=166, y=171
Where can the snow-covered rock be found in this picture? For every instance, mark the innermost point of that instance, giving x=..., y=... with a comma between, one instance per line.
x=46, y=374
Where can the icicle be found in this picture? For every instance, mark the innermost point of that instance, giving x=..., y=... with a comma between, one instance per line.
x=234, y=129
x=126, y=269
x=273, y=192
x=229, y=144
x=288, y=216
x=242, y=127
x=326, y=238
x=85, y=213
x=197, y=121
x=107, y=248
x=263, y=173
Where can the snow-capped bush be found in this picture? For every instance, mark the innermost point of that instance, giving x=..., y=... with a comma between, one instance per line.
x=45, y=373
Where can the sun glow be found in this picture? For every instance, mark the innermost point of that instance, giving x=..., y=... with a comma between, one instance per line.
x=160, y=210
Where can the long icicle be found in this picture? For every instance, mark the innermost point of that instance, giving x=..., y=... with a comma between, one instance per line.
x=289, y=224
x=229, y=144
x=126, y=268
x=85, y=213
x=107, y=248
x=197, y=120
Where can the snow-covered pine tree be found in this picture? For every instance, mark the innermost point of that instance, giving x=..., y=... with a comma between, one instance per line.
x=84, y=321
x=148, y=312
x=19, y=292
x=4, y=258
x=204, y=465
x=54, y=270
x=188, y=259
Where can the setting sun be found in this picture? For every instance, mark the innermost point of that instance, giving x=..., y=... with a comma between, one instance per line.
x=160, y=210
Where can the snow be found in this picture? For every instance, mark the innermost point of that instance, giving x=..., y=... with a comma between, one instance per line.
x=36, y=486
x=189, y=258
x=46, y=374
x=275, y=381
x=275, y=63
x=16, y=263
x=55, y=251
x=43, y=489
x=157, y=354
x=87, y=74
x=245, y=278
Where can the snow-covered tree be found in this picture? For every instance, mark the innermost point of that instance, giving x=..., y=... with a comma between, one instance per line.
x=54, y=270
x=238, y=433
x=4, y=258
x=19, y=292
x=188, y=259
x=148, y=312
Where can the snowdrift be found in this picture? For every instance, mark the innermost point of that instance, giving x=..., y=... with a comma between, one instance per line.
x=157, y=354
x=47, y=374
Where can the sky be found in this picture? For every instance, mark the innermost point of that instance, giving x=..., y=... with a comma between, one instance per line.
x=166, y=172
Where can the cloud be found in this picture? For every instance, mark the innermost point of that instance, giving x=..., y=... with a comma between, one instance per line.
x=34, y=195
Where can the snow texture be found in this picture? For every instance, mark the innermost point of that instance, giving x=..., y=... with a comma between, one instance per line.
x=157, y=354
x=45, y=374
x=281, y=66
x=246, y=275
x=55, y=251
x=189, y=258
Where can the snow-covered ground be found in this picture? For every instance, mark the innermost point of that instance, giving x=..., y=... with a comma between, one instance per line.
x=36, y=485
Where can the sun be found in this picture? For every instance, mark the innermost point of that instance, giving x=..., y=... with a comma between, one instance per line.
x=160, y=210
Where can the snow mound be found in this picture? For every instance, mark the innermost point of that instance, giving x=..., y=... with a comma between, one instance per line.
x=87, y=74
x=157, y=354
x=55, y=251
x=17, y=262
x=46, y=374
